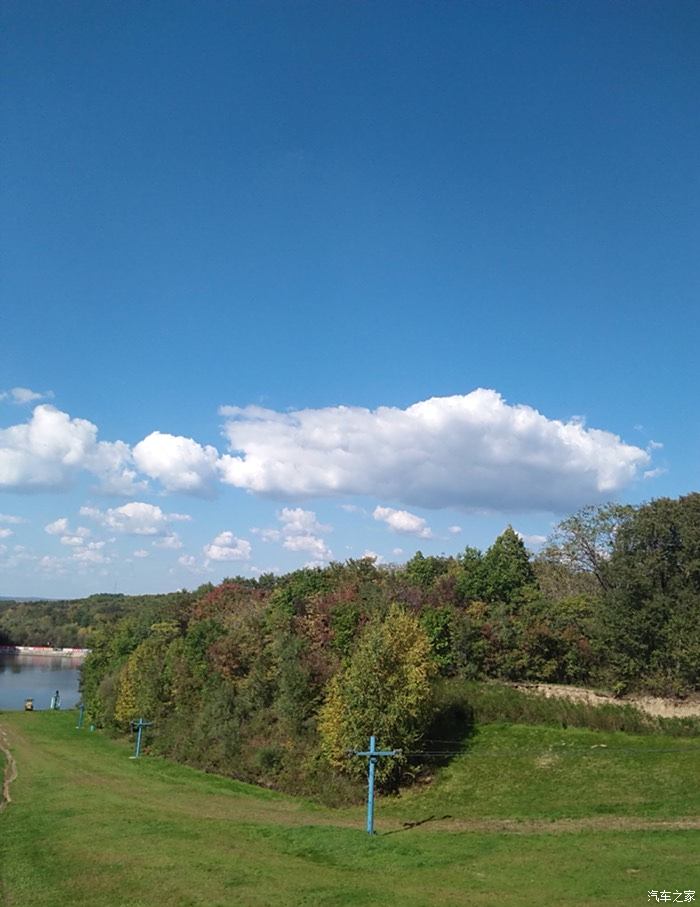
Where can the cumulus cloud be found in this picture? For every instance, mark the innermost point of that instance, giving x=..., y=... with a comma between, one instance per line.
x=22, y=395
x=50, y=449
x=135, y=518
x=295, y=521
x=73, y=540
x=90, y=555
x=51, y=564
x=141, y=553
x=15, y=558
x=58, y=527
x=298, y=532
x=311, y=544
x=12, y=520
x=533, y=540
x=472, y=451
x=227, y=547
x=403, y=521
x=5, y=533
x=171, y=541
x=68, y=537
x=454, y=530
x=178, y=463
x=267, y=535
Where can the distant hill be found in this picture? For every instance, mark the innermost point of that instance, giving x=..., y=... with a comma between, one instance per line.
x=26, y=598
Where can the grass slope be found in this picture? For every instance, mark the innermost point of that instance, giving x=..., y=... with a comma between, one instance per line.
x=526, y=816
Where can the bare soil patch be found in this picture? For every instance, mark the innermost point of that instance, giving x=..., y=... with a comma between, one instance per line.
x=651, y=705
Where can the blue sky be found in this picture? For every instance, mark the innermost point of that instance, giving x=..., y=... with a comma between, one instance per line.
x=321, y=279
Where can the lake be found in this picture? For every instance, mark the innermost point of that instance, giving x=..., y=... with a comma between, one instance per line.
x=38, y=677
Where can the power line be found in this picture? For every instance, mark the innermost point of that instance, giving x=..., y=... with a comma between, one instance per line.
x=565, y=750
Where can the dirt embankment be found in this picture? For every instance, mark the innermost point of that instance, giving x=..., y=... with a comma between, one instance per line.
x=10, y=770
x=651, y=705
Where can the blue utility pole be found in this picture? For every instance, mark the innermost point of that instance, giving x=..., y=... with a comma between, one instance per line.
x=138, y=726
x=372, y=755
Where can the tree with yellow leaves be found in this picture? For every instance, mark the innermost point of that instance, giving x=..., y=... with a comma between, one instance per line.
x=383, y=689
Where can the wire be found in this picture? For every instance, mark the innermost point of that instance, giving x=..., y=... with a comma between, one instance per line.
x=553, y=751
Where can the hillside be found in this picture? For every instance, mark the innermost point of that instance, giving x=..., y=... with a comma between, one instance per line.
x=526, y=816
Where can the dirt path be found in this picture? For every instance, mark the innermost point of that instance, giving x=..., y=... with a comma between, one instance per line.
x=10, y=770
x=650, y=705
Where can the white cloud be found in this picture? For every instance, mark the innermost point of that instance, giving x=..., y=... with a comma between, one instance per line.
x=19, y=555
x=532, y=541
x=61, y=527
x=403, y=521
x=179, y=464
x=5, y=533
x=655, y=473
x=309, y=543
x=52, y=564
x=22, y=395
x=473, y=451
x=373, y=556
x=50, y=449
x=188, y=561
x=454, y=530
x=267, y=535
x=141, y=553
x=90, y=555
x=397, y=552
x=58, y=527
x=111, y=462
x=135, y=518
x=74, y=540
x=353, y=508
x=297, y=532
x=12, y=520
x=171, y=541
x=227, y=547
x=297, y=521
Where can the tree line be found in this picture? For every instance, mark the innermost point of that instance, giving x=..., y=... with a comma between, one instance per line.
x=274, y=680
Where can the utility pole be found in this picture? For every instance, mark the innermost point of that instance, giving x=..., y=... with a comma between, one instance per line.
x=138, y=726
x=80, y=716
x=372, y=755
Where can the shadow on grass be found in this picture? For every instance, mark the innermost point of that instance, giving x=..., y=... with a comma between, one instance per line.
x=407, y=826
x=450, y=734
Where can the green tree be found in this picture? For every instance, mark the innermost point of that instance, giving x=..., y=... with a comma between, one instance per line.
x=584, y=541
x=423, y=571
x=652, y=601
x=470, y=579
x=506, y=568
x=384, y=689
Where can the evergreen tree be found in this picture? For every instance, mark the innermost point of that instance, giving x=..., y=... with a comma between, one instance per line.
x=506, y=568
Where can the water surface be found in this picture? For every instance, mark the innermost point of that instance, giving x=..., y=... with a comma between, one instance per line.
x=38, y=677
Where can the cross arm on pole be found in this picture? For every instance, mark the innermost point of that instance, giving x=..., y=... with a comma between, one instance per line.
x=376, y=752
x=372, y=755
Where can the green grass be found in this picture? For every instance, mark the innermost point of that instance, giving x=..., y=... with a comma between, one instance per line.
x=528, y=815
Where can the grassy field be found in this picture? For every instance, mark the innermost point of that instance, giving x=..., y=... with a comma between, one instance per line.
x=528, y=815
